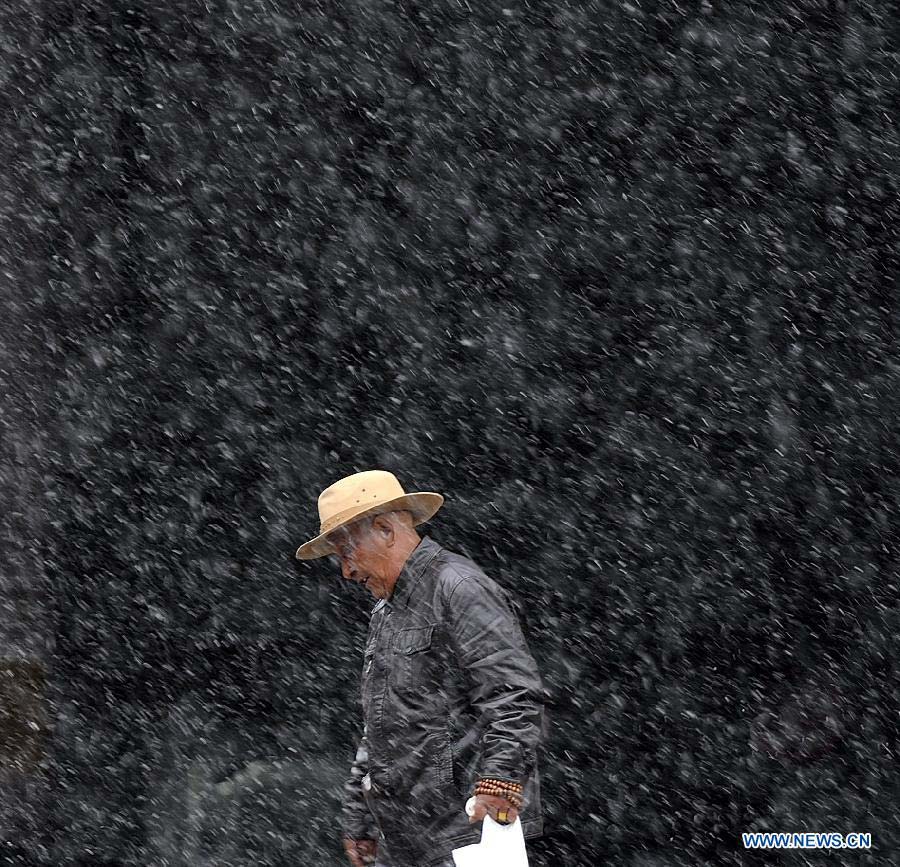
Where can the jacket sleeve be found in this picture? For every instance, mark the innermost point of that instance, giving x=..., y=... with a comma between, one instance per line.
x=505, y=690
x=357, y=822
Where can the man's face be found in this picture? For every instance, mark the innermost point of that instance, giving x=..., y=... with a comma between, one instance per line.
x=362, y=554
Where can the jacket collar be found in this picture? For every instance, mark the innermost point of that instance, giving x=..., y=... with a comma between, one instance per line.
x=412, y=570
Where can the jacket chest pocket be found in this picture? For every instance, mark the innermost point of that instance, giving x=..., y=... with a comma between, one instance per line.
x=412, y=657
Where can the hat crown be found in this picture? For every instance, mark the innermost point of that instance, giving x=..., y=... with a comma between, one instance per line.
x=356, y=494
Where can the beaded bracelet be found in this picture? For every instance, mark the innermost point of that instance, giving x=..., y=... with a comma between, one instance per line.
x=501, y=789
x=493, y=782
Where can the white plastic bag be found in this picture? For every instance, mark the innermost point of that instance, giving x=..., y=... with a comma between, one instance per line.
x=500, y=846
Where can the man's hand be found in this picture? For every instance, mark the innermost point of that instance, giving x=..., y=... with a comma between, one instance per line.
x=361, y=852
x=499, y=809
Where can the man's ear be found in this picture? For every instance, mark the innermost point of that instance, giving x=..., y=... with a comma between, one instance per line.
x=383, y=526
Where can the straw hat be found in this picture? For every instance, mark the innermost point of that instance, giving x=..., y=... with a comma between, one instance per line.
x=356, y=496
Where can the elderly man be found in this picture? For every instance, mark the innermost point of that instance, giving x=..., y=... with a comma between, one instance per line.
x=452, y=701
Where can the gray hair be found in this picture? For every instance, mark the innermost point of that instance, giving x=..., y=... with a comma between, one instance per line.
x=401, y=517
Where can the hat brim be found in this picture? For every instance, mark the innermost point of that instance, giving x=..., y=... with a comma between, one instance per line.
x=424, y=505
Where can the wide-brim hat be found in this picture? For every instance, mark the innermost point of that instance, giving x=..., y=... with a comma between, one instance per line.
x=362, y=494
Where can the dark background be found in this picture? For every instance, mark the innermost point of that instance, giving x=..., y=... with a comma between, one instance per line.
x=618, y=278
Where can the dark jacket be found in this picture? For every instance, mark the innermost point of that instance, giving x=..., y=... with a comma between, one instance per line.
x=450, y=694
